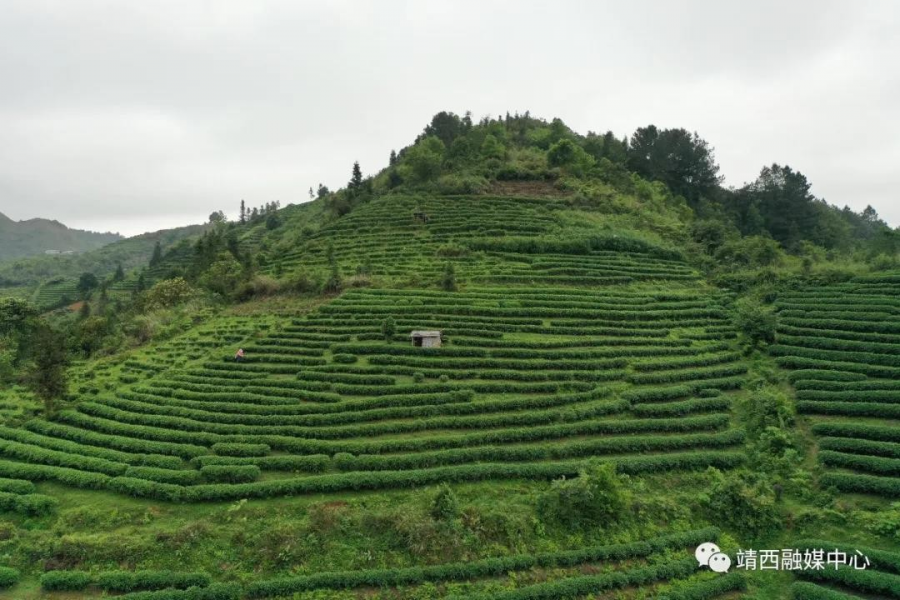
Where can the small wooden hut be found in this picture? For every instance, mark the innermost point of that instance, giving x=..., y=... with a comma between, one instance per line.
x=426, y=338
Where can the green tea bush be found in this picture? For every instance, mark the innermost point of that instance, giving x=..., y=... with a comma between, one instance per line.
x=65, y=581
x=8, y=577
x=236, y=449
x=230, y=473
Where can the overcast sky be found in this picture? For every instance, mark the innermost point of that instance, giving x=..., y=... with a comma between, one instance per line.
x=131, y=116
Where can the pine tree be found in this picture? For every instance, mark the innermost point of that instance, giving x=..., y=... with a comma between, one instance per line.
x=312, y=194
x=157, y=255
x=356, y=179
x=141, y=284
x=120, y=273
x=393, y=159
x=243, y=216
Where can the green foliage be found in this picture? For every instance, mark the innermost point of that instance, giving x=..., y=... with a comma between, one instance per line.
x=752, y=251
x=448, y=281
x=767, y=407
x=683, y=161
x=445, y=506
x=223, y=275
x=422, y=162
x=65, y=581
x=48, y=376
x=239, y=449
x=490, y=567
x=32, y=505
x=567, y=155
x=706, y=590
x=743, y=501
x=87, y=283
x=229, y=473
x=597, y=496
x=8, y=577
x=492, y=148
x=156, y=257
x=273, y=221
x=711, y=234
x=756, y=320
x=388, y=328
x=168, y=293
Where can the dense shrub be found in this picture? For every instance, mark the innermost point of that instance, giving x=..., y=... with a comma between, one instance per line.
x=596, y=496
x=8, y=577
x=743, y=501
x=445, y=505
x=757, y=321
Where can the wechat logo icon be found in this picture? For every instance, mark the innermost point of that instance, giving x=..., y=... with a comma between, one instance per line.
x=710, y=555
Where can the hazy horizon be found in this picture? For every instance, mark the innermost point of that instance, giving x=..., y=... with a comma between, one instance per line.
x=132, y=117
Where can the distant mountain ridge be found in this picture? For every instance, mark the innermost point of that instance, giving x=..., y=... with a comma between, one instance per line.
x=19, y=239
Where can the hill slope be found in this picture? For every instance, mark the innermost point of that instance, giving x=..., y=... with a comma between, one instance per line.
x=37, y=236
x=596, y=410
x=47, y=279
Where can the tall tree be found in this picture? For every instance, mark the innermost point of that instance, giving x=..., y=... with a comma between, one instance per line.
x=356, y=179
x=446, y=126
x=119, y=274
x=48, y=377
x=87, y=283
x=243, y=213
x=448, y=281
x=683, y=161
x=157, y=254
x=786, y=207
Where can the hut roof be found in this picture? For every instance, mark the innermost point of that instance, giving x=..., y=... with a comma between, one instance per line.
x=425, y=333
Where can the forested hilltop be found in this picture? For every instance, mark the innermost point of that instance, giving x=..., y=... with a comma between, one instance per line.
x=42, y=236
x=624, y=360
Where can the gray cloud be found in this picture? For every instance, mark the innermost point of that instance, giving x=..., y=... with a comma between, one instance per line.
x=138, y=115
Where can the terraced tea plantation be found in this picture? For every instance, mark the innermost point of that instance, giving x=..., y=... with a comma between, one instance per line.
x=844, y=343
x=661, y=566
x=880, y=578
x=529, y=384
x=489, y=240
x=55, y=293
